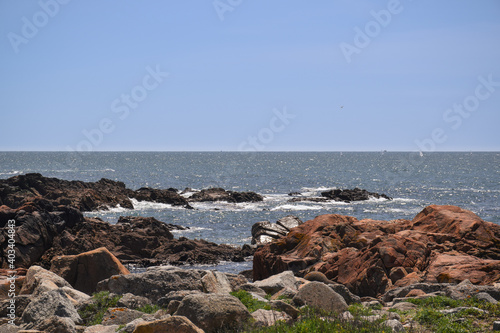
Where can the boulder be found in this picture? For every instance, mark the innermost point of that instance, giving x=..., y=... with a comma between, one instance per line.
x=213, y=312
x=48, y=304
x=285, y=307
x=216, y=282
x=55, y=324
x=395, y=324
x=21, y=302
x=320, y=296
x=85, y=270
x=155, y=282
x=178, y=324
x=39, y=280
x=265, y=318
x=277, y=282
x=102, y=329
x=175, y=296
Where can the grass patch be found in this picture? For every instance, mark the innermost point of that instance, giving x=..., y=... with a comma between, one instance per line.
x=150, y=309
x=250, y=303
x=93, y=313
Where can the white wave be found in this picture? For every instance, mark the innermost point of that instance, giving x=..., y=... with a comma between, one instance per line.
x=297, y=207
x=146, y=205
x=226, y=206
x=191, y=229
x=404, y=200
x=11, y=173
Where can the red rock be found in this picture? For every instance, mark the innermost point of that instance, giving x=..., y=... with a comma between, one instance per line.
x=441, y=244
x=85, y=270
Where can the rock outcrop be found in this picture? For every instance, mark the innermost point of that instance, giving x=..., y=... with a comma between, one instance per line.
x=441, y=244
x=355, y=194
x=219, y=194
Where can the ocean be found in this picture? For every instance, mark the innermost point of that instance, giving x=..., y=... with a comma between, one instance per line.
x=470, y=180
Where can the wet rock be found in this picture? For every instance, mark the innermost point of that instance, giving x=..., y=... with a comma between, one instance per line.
x=355, y=194
x=219, y=194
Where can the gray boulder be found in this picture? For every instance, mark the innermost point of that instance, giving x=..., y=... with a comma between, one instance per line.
x=275, y=283
x=396, y=325
x=425, y=287
x=176, y=296
x=39, y=280
x=265, y=318
x=120, y=316
x=51, y=303
x=216, y=282
x=345, y=292
x=319, y=295
x=155, y=282
x=177, y=324
x=213, y=312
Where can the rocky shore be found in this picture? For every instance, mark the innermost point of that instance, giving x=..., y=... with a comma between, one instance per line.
x=330, y=273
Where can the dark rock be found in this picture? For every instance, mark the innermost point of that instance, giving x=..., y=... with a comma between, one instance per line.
x=169, y=196
x=309, y=199
x=355, y=194
x=219, y=194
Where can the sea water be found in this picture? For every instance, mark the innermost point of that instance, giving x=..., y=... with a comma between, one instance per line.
x=470, y=180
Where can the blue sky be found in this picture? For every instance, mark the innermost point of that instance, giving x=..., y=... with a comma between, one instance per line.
x=328, y=75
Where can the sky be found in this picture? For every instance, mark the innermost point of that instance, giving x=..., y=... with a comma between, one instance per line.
x=241, y=75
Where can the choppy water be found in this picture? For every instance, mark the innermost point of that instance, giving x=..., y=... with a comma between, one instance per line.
x=468, y=180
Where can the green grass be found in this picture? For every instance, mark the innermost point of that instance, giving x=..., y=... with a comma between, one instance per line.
x=150, y=309
x=250, y=303
x=92, y=314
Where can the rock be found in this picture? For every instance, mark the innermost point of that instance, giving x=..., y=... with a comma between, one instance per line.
x=120, y=316
x=395, y=325
x=319, y=295
x=8, y=328
x=21, y=302
x=236, y=280
x=176, y=324
x=352, y=195
x=317, y=276
x=343, y=291
x=154, y=283
x=56, y=324
x=404, y=306
x=173, y=306
x=285, y=293
x=216, y=282
x=251, y=288
x=264, y=232
x=416, y=293
x=76, y=297
x=39, y=280
x=277, y=282
x=102, y=329
x=48, y=304
x=212, y=312
x=85, y=270
x=486, y=298
x=219, y=194
x=427, y=288
x=285, y=307
x=462, y=308
x=265, y=318
x=441, y=244
x=175, y=296
x=162, y=196
x=496, y=326
x=132, y=301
